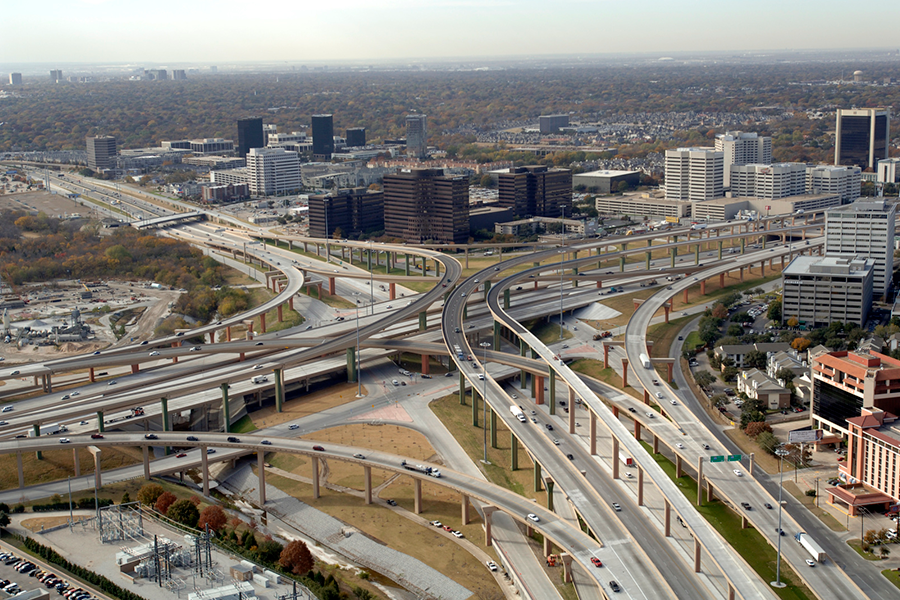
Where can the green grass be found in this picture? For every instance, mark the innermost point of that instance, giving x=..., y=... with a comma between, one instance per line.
x=692, y=341
x=892, y=576
x=548, y=333
x=243, y=425
x=749, y=543
x=594, y=368
x=855, y=544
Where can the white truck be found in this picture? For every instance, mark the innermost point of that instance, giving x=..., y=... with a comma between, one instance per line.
x=626, y=460
x=645, y=361
x=814, y=549
x=50, y=429
x=517, y=413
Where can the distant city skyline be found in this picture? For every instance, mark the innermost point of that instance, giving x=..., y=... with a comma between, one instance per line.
x=166, y=31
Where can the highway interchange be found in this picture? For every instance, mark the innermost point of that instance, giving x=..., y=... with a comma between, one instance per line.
x=642, y=559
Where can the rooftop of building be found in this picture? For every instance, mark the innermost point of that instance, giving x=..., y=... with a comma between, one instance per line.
x=861, y=364
x=789, y=199
x=829, y=265
x=607, y=173
x=696, y=149
x=863, y=206
x=760, y=381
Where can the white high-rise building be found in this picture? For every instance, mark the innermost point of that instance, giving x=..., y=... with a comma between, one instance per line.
x=416, y=135
x=864, y=229
x=273, y=171
x=743, y=148
x=694, y=174
x=827, y=179
x=768, y=181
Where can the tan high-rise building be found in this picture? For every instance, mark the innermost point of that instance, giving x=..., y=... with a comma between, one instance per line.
x=101, y=151
x=424, y=205
x=694, y=174
x=742, y=148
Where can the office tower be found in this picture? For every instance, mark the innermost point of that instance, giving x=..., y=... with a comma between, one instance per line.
x=356, y=137
x=323, y=136
x=158, y=74
x=741, y=148
x=15, y=79
x=250, y=135
x=828, y=179
x=56, y=76
x=820, y=290
x=349, y=211
x=416, y=136
x=694, y=174
x=273, y=171
x=268, y=131
x=864, y=229
x=423, y=205
x=552, y=123
x=862, y=136
x=179, y=74
x=887, y=170
x=768, y=181
x=101, y=151
x=536, y=191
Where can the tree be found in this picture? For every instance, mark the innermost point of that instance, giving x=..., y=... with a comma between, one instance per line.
x=704, y=378
x=774, y=313
x=767, y=441
x=735, y=330
x=126, y=498
x=487, y=181
x=270, y=550
x=184, y=512
x=785, y=375
x=719, y=310
x=884, y=551
x=757, y=427
x=801, y=344
x=296, y=558
x=213, y=516
x=149, y=493
x=793, y=322
x=165, y=500
x=755, y=359
x=4, y=519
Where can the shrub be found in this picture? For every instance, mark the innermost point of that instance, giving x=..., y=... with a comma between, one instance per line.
x=184, y=512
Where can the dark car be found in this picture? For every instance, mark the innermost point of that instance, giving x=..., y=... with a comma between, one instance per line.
x=151, y=436
x=391, y=502
x=746, y=505
x=192, y=438
x=614, y=586
x=767, y=505
x=570, y=457
x=318, y=448
x=234, y=440
x=549, y=427
x=96, y=436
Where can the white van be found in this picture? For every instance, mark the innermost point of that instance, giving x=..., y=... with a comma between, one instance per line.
x=259, y=379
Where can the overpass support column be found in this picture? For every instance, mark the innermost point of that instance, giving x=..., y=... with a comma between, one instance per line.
x=567, y=567
x=204, y=468
x=496, y=341
x=674, y=254
x=762, y=268
x=593, y=432
x=20, y=469
x=506, y=299
x=280, y=315
x=703, y=287
x=100, y=421
x=474, y=407
x=624, y=372
x=523, y=376
x=637, y=430
x=462, y=389
x=549, y=483
x=332, y=289
x=368, y=477
x=537, y=477
x=464, y=507
x=742, y=274
x=488, y=511
x=91, y=377
x=730, y=591
x=425, y=360
x=262, y=322
x=679, y=470
x=315, y=476
x=646, y=397
x=539, y=389
x=649, y=256
x=417, y=501
x=670, y=368
x=228, y=332
x=77, y=462
x=547, y=546
x=697, y=554
x=615, y=411
x=261, y=475
x=392, y=291
x=605, y=356
x=640, y=490
x=572, y=411
x=743, y=245
x=513, y=451
x=164, y=414
x=668, y=518
x=351, y=365
x=552, y=398
x=487, y=289
x=423, y=321
x=751, y=464
x=622, y=264
x=493, y=425
x=697, y=251
x=37, y=434
x=279, y=390
x=685, y=299
x=721, y=280
x=655, y=444
x=146, y=457
x=666, y=310
x=700, y=481
x=720, y=247
x=226, y=409
x=615, y=457
x=98, y=482
x=406, y=261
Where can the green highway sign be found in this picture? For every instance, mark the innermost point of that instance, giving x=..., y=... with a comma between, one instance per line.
x=734, y=458
x=716, y=459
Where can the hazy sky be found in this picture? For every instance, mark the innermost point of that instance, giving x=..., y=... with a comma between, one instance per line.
x=221, y=31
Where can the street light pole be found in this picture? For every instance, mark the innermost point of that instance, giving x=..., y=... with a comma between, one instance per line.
x=781, y=453
x=484, y=346
x=327, y=247
x=562, y=256
x=359, y=393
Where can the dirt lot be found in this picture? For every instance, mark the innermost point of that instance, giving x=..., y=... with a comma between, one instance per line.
x=55, y=205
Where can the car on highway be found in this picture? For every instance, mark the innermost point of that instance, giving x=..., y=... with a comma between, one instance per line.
x=555, y=442
x=631, y=409
x=210, y=450
x=617, y=507
x=318, y=448
x=738, y=473
x=570, y=456
x=810, y=562
x=266, y=443
x=767, y=505
x=113, y=382
x=63, y=440
x=680, y=446
x=673, y=402
x=391, y=502
x=659, y=395
x=549, y=427
x=293, y=426
x=234, y=440
x=614, y=586
x=181, y=455
x=154, y=353
x=436, y=523
x=359, y=456
x=650, y=414
x=151, y=436
x=195, y=349
x=8, y=408
x=746, y=506
x=705, y=446
x=192, y=438
x=491, y=565
x=534, y=517
x=96, y=436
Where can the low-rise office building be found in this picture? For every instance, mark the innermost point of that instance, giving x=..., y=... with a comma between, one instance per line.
x=819, y=290
x=606, y=181
x=873, y=454
x=757, y=385
x=721, y=209
x=643, y=204
x=347, y=211
x=533, y=225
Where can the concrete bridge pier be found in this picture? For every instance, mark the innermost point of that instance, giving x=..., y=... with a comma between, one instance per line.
x=146, y=458
x=204, y=467
x=315, y=477
x=20, y=470
x=464, y=506
x=368, y=477
x=488, y=511
x=279, y=390
x=100, y=427
x=615, y=458
x=261, y=475
x=514, y=451
x=572, y=411
x=417, y=501
x=593, y=432
x=538, y=486
x=640, y=493
x=226, y=409
x=624, y=372
x=552, y=397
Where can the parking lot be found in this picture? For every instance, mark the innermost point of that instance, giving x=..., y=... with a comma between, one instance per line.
x=30, y=578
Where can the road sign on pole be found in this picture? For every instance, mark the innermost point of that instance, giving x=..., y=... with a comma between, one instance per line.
x=734, y=457
x=713, y=459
